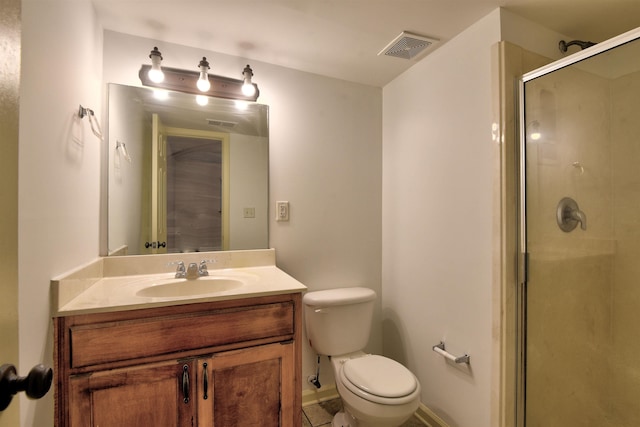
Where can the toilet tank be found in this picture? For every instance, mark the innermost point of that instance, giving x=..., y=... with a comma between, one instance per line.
x=338, y=321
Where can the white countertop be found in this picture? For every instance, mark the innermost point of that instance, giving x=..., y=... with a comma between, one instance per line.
x=82, y=294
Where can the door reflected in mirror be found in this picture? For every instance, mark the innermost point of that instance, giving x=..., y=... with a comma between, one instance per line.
x=184, y=177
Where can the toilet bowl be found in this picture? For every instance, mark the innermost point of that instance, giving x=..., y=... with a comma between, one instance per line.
x=376, y=391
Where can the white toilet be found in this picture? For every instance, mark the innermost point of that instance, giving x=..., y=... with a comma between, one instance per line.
x=375, y=391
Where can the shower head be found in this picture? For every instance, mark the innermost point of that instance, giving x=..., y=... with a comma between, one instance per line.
x=563, y=45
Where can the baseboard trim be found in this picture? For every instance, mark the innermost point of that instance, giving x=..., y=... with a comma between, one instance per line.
x=429, y=417
x=311, y=397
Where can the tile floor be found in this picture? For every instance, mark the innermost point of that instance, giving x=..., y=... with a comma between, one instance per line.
x=321, y=414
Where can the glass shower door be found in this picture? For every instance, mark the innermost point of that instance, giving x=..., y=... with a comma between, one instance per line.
x=582, y=196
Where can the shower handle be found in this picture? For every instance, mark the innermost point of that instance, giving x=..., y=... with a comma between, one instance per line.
x=568, y=215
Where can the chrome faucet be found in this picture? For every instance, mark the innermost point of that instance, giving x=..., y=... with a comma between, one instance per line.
x=202, y=270
x=193, y=271
x=181, y=273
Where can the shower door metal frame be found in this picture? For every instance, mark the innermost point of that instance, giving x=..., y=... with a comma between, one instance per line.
x=522, y=261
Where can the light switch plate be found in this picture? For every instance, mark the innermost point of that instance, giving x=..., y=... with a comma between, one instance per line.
x=249, y=212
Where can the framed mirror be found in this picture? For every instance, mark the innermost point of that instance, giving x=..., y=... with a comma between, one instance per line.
x=185, y=177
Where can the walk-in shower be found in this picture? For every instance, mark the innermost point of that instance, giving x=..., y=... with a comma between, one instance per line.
x=580, y=236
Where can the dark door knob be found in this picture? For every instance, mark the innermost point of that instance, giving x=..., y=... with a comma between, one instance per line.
x=36, y=384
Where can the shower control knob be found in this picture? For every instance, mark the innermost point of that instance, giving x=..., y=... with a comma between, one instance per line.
x=36, y=384
x=569, y=215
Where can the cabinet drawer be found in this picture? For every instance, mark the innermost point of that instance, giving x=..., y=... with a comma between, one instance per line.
x=107, y=342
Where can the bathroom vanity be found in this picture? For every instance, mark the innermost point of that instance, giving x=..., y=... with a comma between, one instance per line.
x=226, y=358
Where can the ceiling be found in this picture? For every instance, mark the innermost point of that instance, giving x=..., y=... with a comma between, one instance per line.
x=342, y=38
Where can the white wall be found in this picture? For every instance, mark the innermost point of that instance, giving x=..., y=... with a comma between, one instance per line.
x=437, y=222
x=59, y=168
x=325, y=142
x=248, y=188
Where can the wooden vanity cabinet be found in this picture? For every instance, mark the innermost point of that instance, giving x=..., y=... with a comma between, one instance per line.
x=137, y=396
x=223, y=364
x=245, y=387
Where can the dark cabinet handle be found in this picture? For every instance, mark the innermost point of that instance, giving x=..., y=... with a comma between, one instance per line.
x=185, y=383
x=205, y=381
x=36, y=384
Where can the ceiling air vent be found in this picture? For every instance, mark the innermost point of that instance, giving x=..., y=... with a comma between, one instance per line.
x=408, y=46
x=221, y=123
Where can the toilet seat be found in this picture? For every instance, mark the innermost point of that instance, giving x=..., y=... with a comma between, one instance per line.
x=379, y=379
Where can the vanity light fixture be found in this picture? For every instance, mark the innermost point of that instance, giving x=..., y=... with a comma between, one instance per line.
x=155, y=72
x=203, y=81
x=196, y=82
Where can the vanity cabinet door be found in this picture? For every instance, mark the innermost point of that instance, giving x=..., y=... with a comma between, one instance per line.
x=249, y=387
x=160, y=395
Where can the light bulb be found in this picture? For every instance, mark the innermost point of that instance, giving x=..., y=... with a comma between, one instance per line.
x=155, y=73
x=248, y=89
x=202, y=100
x=203, y=81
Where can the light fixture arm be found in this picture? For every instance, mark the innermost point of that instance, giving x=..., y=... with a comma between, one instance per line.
x=154, y=54
x=247, y=73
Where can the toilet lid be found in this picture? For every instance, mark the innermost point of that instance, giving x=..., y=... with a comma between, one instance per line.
x=379, y=376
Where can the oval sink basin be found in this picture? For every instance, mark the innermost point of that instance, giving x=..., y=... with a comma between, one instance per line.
x=173, y=288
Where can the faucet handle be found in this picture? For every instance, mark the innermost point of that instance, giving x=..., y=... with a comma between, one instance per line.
x=202, y=270
x=181, y=271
